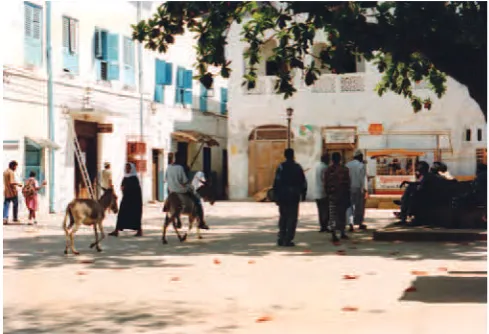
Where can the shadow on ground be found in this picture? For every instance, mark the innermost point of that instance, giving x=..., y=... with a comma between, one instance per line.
x=448, y=289
x=104, y=319
x=239, y=236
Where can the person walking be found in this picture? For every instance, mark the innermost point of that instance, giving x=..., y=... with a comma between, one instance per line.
x=30, y=193
x=337, y=187
x=358, y=190
x=106, y=178
x=10, y=192
x=290, y=187
x=320, y=194
x=131, y=208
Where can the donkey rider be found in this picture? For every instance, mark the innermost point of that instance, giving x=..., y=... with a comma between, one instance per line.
x=178, y=182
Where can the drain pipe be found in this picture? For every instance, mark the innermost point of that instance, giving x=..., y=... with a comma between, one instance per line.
x=141, y=102
x=49, y=64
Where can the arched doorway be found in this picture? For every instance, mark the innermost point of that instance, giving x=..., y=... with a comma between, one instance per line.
x=266, y=151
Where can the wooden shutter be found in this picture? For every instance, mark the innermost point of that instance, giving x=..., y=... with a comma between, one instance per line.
x=180, y=77
x=113, y=56
x=168, y=74
x=28, y=20
x=203, y=98
x=187, y=79
x=66, y=33
x=224, y=100
x=187, y=97
x=159, y=72
x=159, y=93
x=36, y=23
x=73, y=36
x=97, y=38
x=128, y=49
x=33, y=34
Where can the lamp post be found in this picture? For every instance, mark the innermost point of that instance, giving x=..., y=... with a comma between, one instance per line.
x=289, y=111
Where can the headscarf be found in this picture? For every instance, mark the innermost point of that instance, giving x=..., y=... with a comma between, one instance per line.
x=132, y=172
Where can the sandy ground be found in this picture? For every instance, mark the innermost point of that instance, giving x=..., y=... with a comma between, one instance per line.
x=236, y=275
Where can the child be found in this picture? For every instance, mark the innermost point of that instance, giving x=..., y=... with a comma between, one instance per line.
x=30, y=190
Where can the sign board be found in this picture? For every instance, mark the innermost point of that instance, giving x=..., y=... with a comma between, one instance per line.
x=390, y=183
x=105, y=128
x=375, y=129
x=339, y=136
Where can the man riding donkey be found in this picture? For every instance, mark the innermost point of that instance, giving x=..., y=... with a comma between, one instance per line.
x=178, y=182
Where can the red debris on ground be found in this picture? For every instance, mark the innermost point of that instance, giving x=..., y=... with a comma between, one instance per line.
x=217, y=261
x=251, y=262
x=419, y=273
x=350, y=276
x=307, y=251
x=81, y=273
x=443, y=269
x=264, y=318
x=411, y=289
x=175, y=279
x=86, y=261
x=349, y=309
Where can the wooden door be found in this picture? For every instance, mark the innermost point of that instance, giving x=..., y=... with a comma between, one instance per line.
x=264, y=158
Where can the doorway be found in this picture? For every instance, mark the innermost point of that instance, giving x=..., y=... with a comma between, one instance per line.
x=86, y=133
x=158, y=175
x=225, y=174
x=207, y=162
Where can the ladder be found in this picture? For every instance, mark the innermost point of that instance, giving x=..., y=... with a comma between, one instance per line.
x=81, y=163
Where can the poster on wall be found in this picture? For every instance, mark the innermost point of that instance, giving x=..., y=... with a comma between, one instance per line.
x=389, y=184
x=339, y=136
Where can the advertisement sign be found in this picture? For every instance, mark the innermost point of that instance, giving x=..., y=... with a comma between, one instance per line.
x=391, y=183
x=339, y=136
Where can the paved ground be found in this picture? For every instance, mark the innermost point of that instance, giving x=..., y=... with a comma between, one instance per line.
x=235, y=276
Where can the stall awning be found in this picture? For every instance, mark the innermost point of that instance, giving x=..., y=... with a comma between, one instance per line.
x=395, y=152
x=189, y=136
x=41, y=143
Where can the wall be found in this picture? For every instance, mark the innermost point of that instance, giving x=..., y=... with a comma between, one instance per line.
x=327, y=104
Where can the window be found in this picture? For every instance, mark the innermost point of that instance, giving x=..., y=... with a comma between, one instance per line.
x=33, y=161
x=184, y=86
x=479, y=134
x=468, y=135
x=32, y=34
x=163, y=77
x=106, y=48
x=271, y=67
x=70, y=45
x=224, y=101
x=129, y=73
x=481, y=155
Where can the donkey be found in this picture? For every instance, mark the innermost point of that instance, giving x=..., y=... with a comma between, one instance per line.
x=88, y=212
x=182, y=204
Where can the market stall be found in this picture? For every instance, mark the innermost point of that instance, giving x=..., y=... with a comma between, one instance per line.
x=393, y=166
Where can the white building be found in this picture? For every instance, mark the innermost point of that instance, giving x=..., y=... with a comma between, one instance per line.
x=335, y=114
x=95, y=81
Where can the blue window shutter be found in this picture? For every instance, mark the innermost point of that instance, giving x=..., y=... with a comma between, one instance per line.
x=98, y=69
x=33, y=34
x=187, y=80
x=160, y=72
x=161, y=185
x=179, y=95
x=113, y=56
x=159, y=93
x=168, y=74
x=180, y=77
x=69, y=44
x=224, y=100
x=187, y=97
x=97, y=44
x=203, y=98
x=129, y=75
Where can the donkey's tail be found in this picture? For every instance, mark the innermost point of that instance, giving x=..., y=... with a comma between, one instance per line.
x=68, y=215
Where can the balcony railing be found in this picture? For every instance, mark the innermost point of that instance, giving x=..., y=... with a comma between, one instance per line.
x=327, y=83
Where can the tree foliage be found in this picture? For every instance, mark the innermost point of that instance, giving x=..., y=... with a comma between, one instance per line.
x=408, y=41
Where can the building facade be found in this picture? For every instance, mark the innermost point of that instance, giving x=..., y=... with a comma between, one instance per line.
x=340, y=113
x=116, y=117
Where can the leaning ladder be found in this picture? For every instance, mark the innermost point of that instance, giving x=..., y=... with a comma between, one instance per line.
x=81, y=163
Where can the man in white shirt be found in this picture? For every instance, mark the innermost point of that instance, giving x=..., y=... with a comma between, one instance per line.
x=358, y=189
x=106, y=177
x=320, y=194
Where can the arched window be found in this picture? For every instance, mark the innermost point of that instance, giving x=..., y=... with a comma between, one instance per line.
x=270, y=132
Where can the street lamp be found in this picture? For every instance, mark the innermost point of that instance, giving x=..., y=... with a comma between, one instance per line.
x=289, y=111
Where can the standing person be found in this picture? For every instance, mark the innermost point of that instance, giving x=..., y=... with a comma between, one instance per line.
x=106, y=178
x=290, y=187
x=320, y=194
x=337, y=186
x=131, y=208
x=358, y=190
x=10, y=192
x=30, y=192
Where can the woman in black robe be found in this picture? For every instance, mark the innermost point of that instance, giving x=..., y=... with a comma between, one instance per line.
x=131, y=208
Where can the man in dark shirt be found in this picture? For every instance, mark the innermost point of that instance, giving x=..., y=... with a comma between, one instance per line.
x=290, y=187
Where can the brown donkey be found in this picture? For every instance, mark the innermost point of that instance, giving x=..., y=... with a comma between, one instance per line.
x=88, y=212
x=181, y=204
